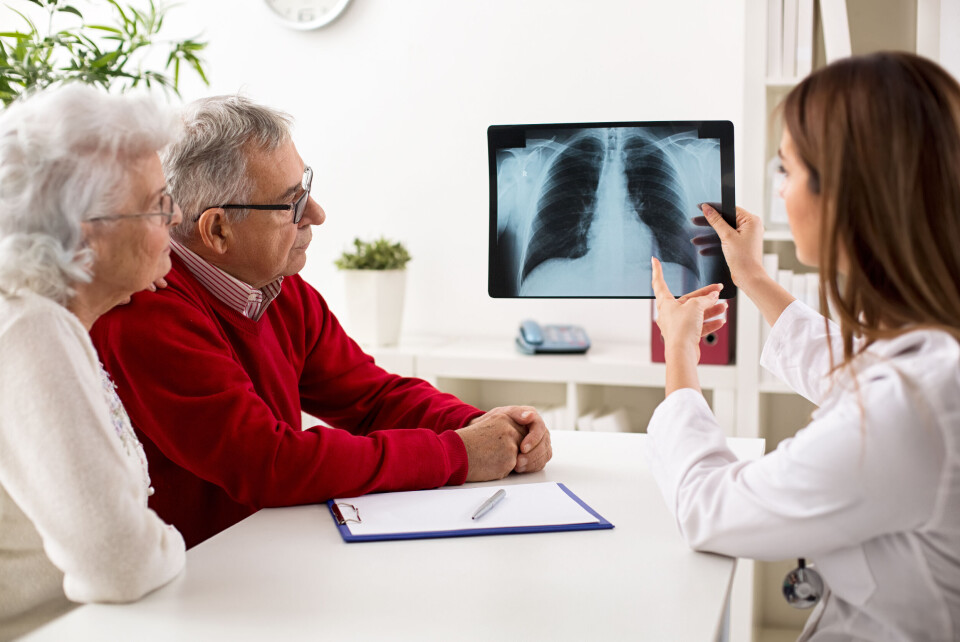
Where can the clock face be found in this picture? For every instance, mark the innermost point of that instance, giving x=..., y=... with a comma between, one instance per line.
x=307, y=14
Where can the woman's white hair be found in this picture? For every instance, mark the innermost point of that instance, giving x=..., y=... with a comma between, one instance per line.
x=207, y=165
x=65, y=154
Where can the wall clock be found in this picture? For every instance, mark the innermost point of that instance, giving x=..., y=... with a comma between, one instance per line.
x=306, y=14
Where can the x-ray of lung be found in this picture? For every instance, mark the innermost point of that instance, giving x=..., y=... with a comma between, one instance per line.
x=579, y=212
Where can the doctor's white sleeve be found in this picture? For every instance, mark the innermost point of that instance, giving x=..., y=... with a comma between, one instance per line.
x=864, y=466
x=830, y=486
x=797, y=351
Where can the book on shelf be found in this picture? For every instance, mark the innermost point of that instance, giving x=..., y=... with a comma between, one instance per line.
x=555, y=417
x=785, y=279
x=836, y=29
x=804, y=37
x=799, y=287
x=804, y=286
x=602, y=420
x=585, y=421
x=813, y=290
x=790, y=35
x=615, y=421
x=771, y=265
x=790, y=15
x=774, y=39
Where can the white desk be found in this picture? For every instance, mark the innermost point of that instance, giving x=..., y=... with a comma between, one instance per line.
x=285, y=574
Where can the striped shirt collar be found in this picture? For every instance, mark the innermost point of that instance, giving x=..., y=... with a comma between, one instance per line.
x=237, y=295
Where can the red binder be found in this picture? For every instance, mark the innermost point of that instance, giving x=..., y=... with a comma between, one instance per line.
x=717, y=348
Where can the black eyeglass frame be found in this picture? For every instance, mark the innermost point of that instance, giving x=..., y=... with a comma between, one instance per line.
x=166, y=212
x=299, y=205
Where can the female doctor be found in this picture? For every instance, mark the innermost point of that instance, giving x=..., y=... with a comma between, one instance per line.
x=868, y=493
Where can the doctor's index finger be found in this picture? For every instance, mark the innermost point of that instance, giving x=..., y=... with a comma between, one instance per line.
x=660, y=288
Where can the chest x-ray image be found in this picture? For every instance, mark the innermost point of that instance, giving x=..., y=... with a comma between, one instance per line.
x=579, y=210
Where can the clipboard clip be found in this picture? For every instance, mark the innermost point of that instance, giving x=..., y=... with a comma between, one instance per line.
x=351, y=517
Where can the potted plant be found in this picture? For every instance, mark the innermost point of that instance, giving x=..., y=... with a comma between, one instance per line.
x=375, y=279
x=114, y=56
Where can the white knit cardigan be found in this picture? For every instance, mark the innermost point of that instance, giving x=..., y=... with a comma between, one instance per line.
x=74, y=522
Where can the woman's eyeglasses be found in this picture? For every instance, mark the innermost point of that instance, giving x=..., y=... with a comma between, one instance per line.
x=165, y=214
x=299, y=205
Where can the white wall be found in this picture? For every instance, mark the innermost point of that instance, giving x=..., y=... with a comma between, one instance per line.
x=392, y=102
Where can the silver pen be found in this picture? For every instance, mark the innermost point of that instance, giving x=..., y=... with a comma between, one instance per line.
x=490, y=503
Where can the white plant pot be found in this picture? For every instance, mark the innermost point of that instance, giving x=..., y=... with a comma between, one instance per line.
x=374, y=305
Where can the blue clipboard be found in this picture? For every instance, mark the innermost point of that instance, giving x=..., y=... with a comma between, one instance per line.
x=344, y=526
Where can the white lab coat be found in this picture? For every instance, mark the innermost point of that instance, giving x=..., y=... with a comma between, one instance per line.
x=871, y=499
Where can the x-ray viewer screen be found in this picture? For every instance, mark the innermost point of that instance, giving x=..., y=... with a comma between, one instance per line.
x=579, y=210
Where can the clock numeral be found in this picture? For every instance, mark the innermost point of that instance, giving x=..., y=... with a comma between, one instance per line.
x=307, y=14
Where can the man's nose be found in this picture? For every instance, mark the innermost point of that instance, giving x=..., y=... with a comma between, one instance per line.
x=314, y=214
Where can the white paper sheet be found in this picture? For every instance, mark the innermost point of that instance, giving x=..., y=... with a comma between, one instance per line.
x=450, y=509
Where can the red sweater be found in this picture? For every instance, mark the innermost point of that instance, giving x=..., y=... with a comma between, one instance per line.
x=216, y=400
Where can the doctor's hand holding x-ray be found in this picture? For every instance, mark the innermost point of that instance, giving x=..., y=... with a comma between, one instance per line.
x=742, y=248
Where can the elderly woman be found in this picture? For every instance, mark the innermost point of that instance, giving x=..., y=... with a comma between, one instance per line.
x=84, y=223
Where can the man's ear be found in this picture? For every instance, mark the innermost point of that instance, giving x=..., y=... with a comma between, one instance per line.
x=215, y=230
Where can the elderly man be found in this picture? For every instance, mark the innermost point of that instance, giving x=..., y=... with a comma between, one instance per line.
x=215, y=369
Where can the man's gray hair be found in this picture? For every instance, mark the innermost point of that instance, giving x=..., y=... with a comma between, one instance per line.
x=65, y=156
x=207, y=165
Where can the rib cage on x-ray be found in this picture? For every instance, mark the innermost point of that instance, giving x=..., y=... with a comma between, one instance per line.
x=567, y=205
x=657, y=196
x=592, y=207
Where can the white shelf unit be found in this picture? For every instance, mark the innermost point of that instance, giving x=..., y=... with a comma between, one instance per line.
x=777, y=234
x=491, y=372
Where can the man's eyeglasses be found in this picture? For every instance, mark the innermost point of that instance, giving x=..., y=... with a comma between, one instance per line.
x=165, y=214
x=299, y=205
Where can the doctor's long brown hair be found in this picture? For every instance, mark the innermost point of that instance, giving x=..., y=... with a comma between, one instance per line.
x=880, y=135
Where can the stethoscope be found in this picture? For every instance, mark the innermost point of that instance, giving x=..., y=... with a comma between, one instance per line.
x=803, y=586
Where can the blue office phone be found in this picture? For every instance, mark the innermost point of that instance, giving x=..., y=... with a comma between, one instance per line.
x=532, y=338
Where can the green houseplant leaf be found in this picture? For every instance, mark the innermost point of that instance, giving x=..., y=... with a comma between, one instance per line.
x=110, y=56
x=379, y=254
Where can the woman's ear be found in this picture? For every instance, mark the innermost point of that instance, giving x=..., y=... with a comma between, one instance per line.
x=89, y=236
x=215, y=230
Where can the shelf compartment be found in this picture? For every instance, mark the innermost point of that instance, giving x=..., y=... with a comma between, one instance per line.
x=638, y=403
x=486, y=394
